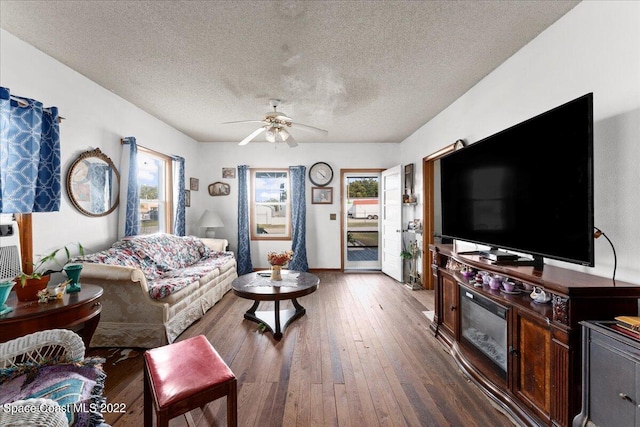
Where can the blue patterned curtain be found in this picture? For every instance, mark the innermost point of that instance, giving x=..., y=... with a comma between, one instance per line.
x=99, y=177
x=179, y=225
x=130, y=218
x=30, y=160
x=244, y=238
x=298, y=219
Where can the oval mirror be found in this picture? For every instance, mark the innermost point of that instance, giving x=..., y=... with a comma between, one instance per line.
x=93, y=183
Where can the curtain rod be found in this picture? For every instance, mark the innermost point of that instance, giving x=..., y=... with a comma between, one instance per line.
x=22, y=103
x=138, y=145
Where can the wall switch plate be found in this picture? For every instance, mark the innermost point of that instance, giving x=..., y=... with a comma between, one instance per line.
x=332, y=217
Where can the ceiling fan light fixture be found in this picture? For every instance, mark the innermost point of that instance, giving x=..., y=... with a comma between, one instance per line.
x=284, y=134
x=271, y=135
x=291, y=142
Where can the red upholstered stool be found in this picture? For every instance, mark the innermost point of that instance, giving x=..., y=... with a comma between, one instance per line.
x=183, y=376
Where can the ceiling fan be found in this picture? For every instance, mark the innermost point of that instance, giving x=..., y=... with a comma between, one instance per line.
x=276, y=125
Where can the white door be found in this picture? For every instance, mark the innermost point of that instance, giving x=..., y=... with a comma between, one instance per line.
x=391, y=212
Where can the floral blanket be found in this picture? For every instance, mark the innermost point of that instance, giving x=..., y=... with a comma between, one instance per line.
x=169, y=262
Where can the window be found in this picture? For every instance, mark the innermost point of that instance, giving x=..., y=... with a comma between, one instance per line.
x=270, y=208
x=155, y=188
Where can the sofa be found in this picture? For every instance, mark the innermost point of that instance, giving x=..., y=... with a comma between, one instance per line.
x=156, y=286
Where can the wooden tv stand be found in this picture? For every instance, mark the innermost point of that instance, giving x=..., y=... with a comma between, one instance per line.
x=542, y=385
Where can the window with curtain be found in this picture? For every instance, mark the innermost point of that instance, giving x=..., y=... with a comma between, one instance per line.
x=270, y=204
x=155, y=188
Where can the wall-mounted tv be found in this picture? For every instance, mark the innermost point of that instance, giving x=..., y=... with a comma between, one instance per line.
x=528, y=188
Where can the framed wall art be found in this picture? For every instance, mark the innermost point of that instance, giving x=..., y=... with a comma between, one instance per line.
x=194, y=184
x=321, y=195
x=187, y=198
x=219, y=189
x=228, y=173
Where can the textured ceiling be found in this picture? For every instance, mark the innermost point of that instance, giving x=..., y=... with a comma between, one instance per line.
x=365, y=71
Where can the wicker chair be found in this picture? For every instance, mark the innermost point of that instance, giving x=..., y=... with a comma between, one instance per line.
x=61, y=343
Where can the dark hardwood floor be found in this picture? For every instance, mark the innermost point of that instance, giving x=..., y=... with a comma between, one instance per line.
x=363, y=355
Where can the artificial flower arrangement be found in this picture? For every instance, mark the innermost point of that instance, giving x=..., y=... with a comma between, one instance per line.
x=279, y=258
x=46, y=294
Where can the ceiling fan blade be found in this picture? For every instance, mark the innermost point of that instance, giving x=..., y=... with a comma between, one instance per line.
x=309, y=128
x=251, y=136
x=291, y=142
x=242, y=121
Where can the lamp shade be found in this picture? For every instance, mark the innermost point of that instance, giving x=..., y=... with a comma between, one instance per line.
x=210, y=220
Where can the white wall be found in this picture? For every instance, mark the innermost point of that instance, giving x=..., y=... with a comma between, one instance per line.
x=94, y=118
x=323, y=234
x=594, y=48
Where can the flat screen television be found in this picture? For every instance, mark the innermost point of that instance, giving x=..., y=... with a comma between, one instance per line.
x=528, y=188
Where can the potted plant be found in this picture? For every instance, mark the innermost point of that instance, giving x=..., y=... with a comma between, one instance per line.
x=38, y=278
x=411, y=254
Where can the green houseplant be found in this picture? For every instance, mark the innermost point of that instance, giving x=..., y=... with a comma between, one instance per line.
x=38, y=278
x=411, y=254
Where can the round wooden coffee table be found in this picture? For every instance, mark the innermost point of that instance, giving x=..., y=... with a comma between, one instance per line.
x=258, y=287
x=79, y=312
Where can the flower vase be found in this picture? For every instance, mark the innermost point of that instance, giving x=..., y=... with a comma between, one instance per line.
x=276, y=272
x=73, y=273
x=5, y=289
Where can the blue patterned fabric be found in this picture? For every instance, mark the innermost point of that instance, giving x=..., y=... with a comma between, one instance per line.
x=30, y=161
x=99, y=177
x=179, y=226
x=132, y=222
x=298, y=219
x=48, y=187
x=243, y=258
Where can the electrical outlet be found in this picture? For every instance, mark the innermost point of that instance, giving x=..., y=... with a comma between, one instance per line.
x=332, y=217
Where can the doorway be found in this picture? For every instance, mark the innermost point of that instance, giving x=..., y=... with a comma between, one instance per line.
x=431, y=206
x=361, y=220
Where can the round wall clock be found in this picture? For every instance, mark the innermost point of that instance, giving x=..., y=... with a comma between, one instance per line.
x=320, y=174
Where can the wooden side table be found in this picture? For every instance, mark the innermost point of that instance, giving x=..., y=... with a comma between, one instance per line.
x=254, y=286
x=79, y=312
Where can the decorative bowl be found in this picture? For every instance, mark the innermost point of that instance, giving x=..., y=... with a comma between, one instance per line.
x=508, y=286
x=468, y=273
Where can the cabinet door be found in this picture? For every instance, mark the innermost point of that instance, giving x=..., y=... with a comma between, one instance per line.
x=612, y=391
x=449, y=304
x=531, y=363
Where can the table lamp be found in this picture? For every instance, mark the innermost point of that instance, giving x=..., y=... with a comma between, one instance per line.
x=210, y=220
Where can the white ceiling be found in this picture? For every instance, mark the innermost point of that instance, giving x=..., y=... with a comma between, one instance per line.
x=367, y=71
